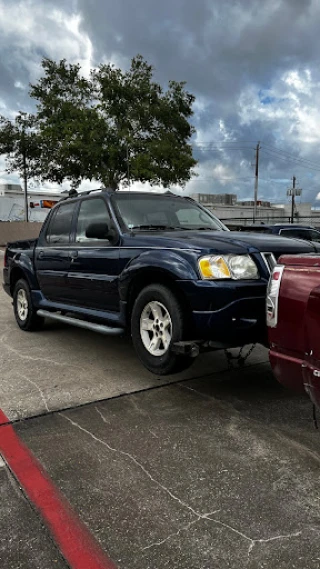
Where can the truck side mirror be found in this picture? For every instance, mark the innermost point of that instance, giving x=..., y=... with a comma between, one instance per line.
x=98, y=231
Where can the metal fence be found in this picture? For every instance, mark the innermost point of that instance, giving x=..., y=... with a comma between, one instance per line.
x=239, y=222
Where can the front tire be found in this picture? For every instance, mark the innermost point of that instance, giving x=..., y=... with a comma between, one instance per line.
x=157, y=322
x=24, y=310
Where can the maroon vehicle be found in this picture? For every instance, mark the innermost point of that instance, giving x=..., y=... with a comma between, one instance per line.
x=293, y=318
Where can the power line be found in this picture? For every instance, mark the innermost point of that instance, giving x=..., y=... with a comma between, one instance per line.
x=278, y=150
x=223, y=145
x=203, y=151
x=211, y=147
x=223, y=141
x=274, y=180
x=274, y=154
x=298, y=161
x=284, y=180
x=214, y=145
x=213, y=179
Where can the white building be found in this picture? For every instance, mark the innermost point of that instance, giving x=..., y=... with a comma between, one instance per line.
x=12, y=203
x=226, y=207
x=302, y=211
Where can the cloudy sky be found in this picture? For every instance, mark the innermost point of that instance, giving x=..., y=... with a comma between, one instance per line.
x=253, y=66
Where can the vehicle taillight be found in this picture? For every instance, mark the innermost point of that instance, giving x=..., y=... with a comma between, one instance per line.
x=273, y=296
x=5, y=259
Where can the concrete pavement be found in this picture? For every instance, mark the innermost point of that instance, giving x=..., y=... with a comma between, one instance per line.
x=214, y=468
x=25, y=542
x=178, y=477
x=63, y=366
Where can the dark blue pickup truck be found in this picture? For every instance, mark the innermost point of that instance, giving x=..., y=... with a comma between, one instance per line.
x=157, y=265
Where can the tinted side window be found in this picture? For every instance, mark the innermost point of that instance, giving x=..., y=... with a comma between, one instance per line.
x=60, y=225
x=91, y=211
x=314, y=235
x=297, y=233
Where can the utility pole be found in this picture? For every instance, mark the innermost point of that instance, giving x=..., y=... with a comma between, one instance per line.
x=292, y=197
x=25, y=177
x=128, y=166
x=256, y=178
x=293, y=192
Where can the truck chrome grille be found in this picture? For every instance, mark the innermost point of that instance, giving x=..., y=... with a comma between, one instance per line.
x=270, y=261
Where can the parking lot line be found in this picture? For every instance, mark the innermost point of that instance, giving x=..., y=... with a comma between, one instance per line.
x=74, y=540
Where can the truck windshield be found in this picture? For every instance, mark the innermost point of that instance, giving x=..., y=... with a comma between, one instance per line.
x=163, y=212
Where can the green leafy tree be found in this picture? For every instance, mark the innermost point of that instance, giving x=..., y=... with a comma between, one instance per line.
x=113, y=127
x=19, y=141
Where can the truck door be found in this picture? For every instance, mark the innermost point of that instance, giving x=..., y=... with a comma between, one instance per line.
x=94, y=268
x=52, y=254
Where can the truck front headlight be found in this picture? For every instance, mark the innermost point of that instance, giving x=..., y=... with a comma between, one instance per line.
x=228, y=267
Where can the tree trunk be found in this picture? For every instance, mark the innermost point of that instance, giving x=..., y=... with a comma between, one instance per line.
x=113, y=185
x=109, y=184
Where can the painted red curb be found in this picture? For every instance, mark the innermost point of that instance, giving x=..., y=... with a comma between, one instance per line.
x=3, y=418
x=76, y=543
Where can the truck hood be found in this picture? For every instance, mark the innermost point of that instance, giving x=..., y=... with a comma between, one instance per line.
x=273, y=243
x=222, y=242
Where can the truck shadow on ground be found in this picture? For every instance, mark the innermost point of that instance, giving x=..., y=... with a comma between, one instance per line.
x=256, y=395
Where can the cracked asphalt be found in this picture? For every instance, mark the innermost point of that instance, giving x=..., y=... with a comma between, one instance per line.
x=211, y=469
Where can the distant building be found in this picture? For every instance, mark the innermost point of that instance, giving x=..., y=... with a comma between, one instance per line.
x=227, y=207
x=301, y=209
x=215, y=199
x=12, y=203
x=244, y=214
x=260, y=203
x=10, y=189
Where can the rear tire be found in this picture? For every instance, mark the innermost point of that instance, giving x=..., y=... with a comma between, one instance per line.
x=24, y=310
x=157, y=322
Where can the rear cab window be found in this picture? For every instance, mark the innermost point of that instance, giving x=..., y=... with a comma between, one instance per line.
x=92, y=210
x=60, y=225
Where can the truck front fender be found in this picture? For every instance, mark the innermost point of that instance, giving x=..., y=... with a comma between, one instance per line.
x=165, y=264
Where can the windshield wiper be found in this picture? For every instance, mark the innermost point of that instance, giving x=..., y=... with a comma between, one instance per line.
x=199, y=228
x=154, y=227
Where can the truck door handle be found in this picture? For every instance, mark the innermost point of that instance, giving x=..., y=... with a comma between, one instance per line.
x=73, y=255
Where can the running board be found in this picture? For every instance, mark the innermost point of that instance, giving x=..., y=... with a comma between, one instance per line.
x=108, y=330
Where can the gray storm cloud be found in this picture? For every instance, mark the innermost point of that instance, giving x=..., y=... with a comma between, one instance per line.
x=234, y=56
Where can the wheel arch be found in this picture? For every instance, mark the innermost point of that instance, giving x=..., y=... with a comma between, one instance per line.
x=150, y=276
x=16, y=274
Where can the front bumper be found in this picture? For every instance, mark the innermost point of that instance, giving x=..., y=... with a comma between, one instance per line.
x=240, y=323
x=228, y=313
